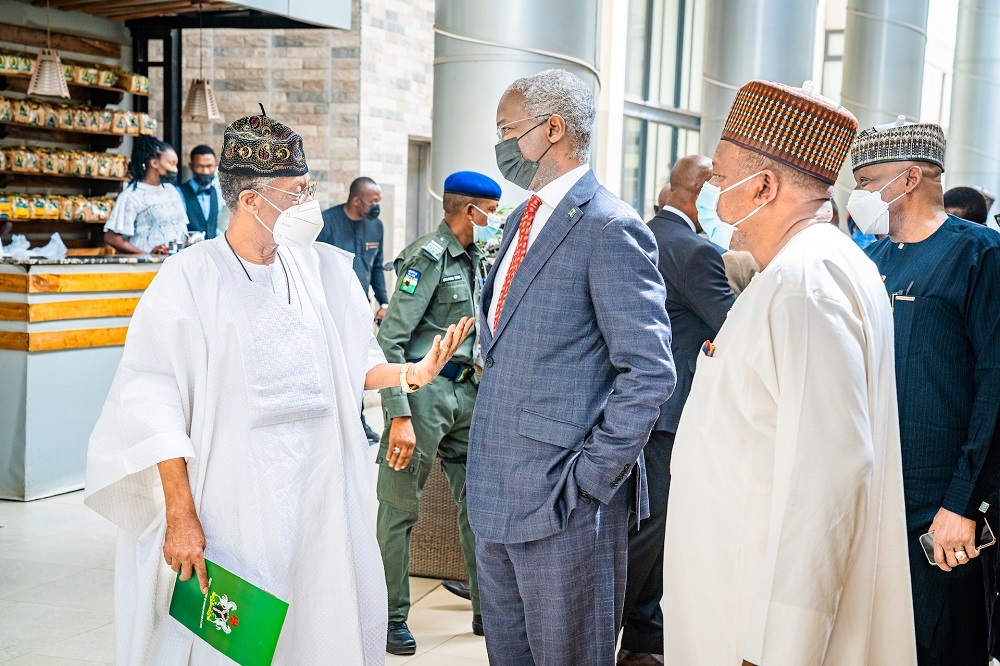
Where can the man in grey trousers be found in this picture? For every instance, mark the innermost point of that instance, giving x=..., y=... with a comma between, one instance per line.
x=576, y=347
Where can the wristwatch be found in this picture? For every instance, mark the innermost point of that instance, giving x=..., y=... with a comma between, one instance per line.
x=403, y=384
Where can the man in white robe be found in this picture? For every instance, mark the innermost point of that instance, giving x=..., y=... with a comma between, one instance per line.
x=231, y=431
x=786, y=536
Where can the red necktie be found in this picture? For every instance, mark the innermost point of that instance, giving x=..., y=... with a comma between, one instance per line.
x=522, y=248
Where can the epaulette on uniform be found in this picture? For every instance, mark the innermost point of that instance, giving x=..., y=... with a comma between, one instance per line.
x=435, y=248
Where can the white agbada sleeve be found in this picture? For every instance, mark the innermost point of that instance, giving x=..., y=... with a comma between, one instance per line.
x=146, y=418
x=823, y=457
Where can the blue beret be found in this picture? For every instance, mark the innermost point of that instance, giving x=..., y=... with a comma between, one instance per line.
x=472, y=184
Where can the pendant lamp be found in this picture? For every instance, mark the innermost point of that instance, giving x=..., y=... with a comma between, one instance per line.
x=200, y=103
x=47, y=76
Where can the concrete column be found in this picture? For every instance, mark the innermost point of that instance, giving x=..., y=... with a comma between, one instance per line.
x=973, y=155
x=481, y=47
x=752, y=39
x=884, y=42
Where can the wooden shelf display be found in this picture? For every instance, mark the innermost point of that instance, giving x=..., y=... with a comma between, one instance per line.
x=20, y=66
x=61, y=178
x=84, y=119
x=54, y=208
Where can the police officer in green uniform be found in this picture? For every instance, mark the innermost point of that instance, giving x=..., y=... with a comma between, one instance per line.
x=439, y=281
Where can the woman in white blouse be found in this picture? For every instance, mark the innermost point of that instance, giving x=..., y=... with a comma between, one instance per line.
x=150, y=213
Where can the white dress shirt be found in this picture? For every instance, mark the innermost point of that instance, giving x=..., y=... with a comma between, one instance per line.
x=681, y=214
x=551, y=195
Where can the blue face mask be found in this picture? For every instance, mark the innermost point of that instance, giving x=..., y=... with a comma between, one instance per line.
x=719, y=231
x=492, y=228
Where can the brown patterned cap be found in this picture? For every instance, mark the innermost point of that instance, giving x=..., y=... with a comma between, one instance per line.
x=261, y=146
x=910, y=142
x=800, y=129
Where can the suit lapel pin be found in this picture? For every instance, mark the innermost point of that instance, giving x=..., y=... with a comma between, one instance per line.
x=572, y=212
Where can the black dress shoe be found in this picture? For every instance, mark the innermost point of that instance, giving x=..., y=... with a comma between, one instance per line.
x=399, y=640
x=477, y=624
x=628, y=658
x=458, y=588
x=370, y=434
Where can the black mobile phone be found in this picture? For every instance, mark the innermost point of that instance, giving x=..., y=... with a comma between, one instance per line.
x=984, y=539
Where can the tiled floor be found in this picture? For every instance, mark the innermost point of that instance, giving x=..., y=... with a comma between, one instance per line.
x=56, y=570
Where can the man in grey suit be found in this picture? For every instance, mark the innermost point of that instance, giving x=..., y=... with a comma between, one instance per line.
x=576, y=347
x=698, y=300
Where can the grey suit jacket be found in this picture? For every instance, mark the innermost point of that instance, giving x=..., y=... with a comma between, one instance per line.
x=575, y=372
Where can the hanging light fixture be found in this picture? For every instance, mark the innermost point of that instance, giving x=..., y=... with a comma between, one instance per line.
x=200, y=103
x=47, y=76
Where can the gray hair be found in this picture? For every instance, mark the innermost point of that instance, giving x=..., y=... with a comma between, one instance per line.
x=232, y=184
x=558, y=92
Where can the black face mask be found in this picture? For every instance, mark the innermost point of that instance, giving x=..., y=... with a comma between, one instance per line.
x=168, y=178
x=203, y=179
x=512, y=164
x=373, y=211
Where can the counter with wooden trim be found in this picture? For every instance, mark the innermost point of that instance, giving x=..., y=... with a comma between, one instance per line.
x=62, y=327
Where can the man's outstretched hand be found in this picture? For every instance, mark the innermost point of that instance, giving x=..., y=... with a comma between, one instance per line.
x=429, y=367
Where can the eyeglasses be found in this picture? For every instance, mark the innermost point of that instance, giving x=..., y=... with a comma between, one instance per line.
x=300, y=197
x=501, y=129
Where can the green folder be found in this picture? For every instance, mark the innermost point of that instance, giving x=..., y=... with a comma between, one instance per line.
x=237, y=618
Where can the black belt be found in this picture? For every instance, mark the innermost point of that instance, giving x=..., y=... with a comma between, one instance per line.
x=456, y=372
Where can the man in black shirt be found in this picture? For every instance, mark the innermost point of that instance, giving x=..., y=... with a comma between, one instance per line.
x=354, y=226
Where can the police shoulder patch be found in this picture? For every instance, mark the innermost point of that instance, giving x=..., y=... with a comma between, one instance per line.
x=409, y=282
x=434, y=249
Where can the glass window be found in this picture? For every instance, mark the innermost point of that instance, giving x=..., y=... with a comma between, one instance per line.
x=661, y=153
x=663, y=73
x=663, y=64
x=666, y=47
x=834, y=45
x=833, y=65
x=636, y=58
x=632, y=186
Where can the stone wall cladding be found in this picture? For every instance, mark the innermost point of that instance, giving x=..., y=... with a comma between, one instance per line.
x=307, y=79
x=355, y=96
x=397, y=93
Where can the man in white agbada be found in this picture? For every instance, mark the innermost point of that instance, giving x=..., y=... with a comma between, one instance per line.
x=786, y=535
x=232, y=433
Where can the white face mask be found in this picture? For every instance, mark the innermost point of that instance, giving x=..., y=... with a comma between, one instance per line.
x=869, y=211
x=296, y=226
x=718, y=230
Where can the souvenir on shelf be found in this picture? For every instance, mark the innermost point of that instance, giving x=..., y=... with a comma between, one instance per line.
x=50, y=116
x=107, y=78
x=21, y=207
x=66, y=116
x=69, y=208
x=134, y=125
x=107, y=119
x=133, y=83
x=84, y=75
x=119, y=123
